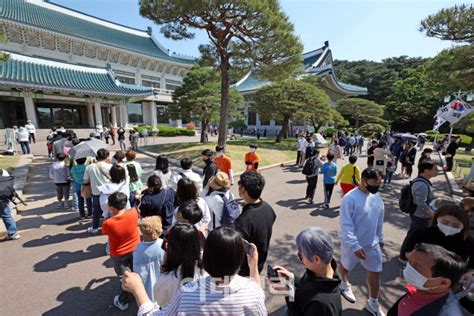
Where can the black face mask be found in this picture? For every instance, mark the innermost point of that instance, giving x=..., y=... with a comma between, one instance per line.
x=372, y=188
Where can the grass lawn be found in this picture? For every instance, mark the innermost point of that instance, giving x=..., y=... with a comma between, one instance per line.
x=236, y=150
x=9, y=162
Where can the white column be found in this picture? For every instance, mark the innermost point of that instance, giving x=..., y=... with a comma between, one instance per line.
x=124, y=115
x=30, y=108
x=153, y=114
x=98, y=113
x=90, y=115
x=113, y=109
x=147, y=117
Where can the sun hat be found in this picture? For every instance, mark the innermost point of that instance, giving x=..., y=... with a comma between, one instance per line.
x=219, y=181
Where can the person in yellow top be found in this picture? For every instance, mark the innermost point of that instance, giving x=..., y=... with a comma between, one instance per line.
x=349, y=177
x=252, y=159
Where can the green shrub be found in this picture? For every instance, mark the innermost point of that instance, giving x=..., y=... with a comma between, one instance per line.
x=465, y=139
x=237, y=125
x=371, y=129
x=330, y=130
x=167, y=131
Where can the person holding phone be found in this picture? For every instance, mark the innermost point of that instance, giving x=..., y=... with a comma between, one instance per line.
x=317, y=291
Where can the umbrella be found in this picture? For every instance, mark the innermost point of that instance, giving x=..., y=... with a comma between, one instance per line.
x=406, y=137
x=88, y=148
x=422, y=134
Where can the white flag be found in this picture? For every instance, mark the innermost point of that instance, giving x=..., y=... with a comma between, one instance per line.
x=439, y=121
x=454, y=111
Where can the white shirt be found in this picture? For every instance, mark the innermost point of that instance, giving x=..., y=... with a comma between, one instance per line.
x=361, y=219
x=30, y=128
x=216, y=206
x=173, y=183
x=302, y=144
x=97, y=174
x=164, y=177
x=22, y=135
x=206, y=213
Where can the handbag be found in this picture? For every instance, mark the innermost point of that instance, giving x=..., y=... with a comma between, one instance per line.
x=354, y=179
x=86, y=191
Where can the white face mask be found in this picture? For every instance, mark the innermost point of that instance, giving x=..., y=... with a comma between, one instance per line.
x=448, y=230
x=252, y=150
x=414, y=277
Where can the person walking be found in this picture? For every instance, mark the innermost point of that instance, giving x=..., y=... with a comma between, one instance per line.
x=360, y=142
x=403, y=159
x=255, y=223
x=329, y=170
x=134, y=172
x=224, y=163
x=349, y=176
x=310, y=146
x=121, y=138
x=31, y=131
x=210, y=168
x=77, y=175
x=410, y=159
x=370, y=153
x=352, y=143
x=112, y=130
x=5, y=210
x=380, y=157
x=96, y=175
x=422, y=195
x=59, y=172
x=361, y=222
x=23, y=139
x=312, y=179
x=335, y=150
x=396, y=150
x=252, y=159
x=300, y=150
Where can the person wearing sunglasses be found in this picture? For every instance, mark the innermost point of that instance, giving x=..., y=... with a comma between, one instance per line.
x=317, y=291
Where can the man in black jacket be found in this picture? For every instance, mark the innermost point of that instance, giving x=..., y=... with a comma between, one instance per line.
x=210, y=169
x=451, y=151
x=317, y=291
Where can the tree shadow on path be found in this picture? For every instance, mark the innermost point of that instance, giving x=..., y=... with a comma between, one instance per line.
x=95, y=299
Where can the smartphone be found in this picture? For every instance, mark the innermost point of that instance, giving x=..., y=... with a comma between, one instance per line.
x=272, y=274
x=247, y=247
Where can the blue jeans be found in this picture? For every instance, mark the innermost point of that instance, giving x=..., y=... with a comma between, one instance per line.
x=96, y=211
x=388, y=177
x=75, y=199
x=80, y=201
x=7, y=218
x=25, y=147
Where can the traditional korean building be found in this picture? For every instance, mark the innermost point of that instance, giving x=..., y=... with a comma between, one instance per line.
x=318, y=63
x=67, y=68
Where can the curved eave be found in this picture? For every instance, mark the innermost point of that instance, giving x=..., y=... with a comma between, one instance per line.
x=340, y=87
x=178, y=60
x=20, y=85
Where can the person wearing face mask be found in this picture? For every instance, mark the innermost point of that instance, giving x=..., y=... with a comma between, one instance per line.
x=224, y=163
x=422, y=194
x=361, y=234
x=210, y=168
x=432, y=271
x=450, y=230
x=252, y=159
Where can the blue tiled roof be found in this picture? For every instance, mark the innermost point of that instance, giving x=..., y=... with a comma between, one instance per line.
x=27, y=72
x=28, y=13
x=250, y=82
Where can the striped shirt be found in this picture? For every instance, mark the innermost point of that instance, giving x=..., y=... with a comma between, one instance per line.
x=241, y=296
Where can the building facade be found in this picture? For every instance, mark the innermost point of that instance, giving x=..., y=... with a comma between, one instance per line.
x=70, y=69
x=318, y=63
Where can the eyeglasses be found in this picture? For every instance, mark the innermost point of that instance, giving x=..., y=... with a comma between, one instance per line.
x=300, y=256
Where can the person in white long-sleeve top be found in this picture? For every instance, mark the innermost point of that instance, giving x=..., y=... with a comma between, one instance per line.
x=186, y=171
x=361, y=221
x=31, y=131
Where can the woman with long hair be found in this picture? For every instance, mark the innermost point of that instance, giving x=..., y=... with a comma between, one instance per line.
x=157, y=201
x=162, y=170
x=187, y=192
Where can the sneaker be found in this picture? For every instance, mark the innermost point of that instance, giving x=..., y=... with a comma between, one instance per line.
x=346, y=292
x=15, y=236
x=310, y=201
x=93, y=230
x=119, y=305
x=374, y=308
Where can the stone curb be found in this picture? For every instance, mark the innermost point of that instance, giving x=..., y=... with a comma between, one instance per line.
x=175, y=162
x=456, y=191
x=21, y=174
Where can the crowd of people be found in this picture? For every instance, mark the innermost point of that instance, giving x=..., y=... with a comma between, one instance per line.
x=180, y=243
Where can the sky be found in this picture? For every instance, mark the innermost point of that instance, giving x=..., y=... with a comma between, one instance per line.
x=369, y=29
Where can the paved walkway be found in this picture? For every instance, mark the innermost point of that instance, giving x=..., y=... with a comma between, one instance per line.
x=56, y=268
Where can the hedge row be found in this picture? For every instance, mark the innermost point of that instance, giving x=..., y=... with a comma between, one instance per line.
x=465, y=139
x=167, y=131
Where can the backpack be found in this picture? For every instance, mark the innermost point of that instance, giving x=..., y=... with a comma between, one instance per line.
x=405, y=201
x=308, y=167
x=230, y=212
x=7, y=190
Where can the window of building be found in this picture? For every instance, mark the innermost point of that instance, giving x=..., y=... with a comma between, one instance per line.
x=12, y=112
x=128, y=80
x=252, y=118
x=264, y=122
x=153, y=84
x=162, y=115
x=172, y=84
x=135, y=112
x=50, y=115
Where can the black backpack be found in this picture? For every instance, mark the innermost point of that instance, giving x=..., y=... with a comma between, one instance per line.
x=405, y=202
x=308, y=167
x=7, y=189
